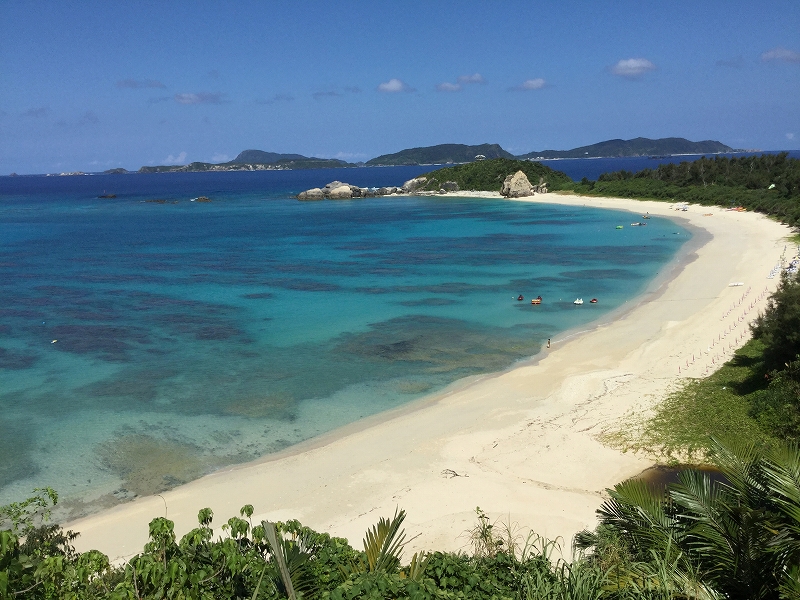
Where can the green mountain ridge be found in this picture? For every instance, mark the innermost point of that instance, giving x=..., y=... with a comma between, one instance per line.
x=636, y=147
x=259, y=160
x=438, y=155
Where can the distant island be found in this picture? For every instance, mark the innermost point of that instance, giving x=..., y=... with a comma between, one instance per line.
x=439, y=155
x=636, y=147
x=446, y=154
x=251, y=160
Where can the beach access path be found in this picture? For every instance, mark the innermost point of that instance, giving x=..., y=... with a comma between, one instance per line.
x=524, y=444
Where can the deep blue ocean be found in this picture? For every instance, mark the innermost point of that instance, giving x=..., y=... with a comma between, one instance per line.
x=146, y=339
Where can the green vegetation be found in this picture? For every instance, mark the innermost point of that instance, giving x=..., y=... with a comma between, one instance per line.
x=737, y=536
x=769, y=184
x=754, y=397
x=717, y=405
x=438, y=155
x=488, y=175
x=635, y=147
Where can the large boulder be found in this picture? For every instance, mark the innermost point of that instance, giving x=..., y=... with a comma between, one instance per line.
x=450, y=186
x=312, y=194
x=412, y=185
x=516, y=186
x=343, y=192
x=332, y=186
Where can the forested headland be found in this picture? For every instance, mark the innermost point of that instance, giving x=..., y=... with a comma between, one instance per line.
x=769, y=184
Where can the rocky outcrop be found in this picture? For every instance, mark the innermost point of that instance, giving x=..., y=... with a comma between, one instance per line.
x=450, y=186
x=337, y=190
x=517, y=186
x=413, y=185
x=312, y=194
x=341, y=192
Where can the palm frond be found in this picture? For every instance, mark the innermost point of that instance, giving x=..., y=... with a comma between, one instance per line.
x=278, y=551
x=383, y=544
x=640, y=513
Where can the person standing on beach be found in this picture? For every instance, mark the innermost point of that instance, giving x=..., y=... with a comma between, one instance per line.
x=548, y=342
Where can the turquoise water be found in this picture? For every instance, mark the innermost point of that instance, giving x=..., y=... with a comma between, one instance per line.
x=192, y=336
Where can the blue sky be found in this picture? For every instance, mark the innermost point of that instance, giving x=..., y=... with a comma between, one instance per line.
x=96, y=85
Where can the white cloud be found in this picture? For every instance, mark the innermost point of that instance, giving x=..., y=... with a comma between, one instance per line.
x=781, y=54
x=448, y=87
x=530, y=84
x=789, y=136
x=632, y=67
x=393, y=86
x=533, y=84
x=474, y=78
x=175, y=160
x=199, y=98
x=136, y=84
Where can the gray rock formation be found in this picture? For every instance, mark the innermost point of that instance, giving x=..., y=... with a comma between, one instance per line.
x=516, y=186
x=341, y=192
x=337, y=190
x=312, y=194
x=413, y=185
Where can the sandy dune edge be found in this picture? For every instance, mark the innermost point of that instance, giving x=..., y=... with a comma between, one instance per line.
x=523, y=443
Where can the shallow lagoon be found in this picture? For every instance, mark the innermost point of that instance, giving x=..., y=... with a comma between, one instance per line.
x=193, y=336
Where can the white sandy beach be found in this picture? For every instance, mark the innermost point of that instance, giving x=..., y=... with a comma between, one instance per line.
x=524, y=443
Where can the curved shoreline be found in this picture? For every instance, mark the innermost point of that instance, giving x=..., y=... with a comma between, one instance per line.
x=524, y=441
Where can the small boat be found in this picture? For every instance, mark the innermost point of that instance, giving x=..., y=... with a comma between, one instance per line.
x=593, y=301
x=520, y=298
x=578, y=301
x=638, y=224
x=108, y=196
x=645, y=216
x=619, y=226
x=537, y=300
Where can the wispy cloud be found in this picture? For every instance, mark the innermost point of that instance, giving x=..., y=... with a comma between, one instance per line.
x=37, y=113
x=175, y=160
x=88, y=118
x=329, y=94
x=275, y=98
x=351, y=89
x=159, y=99
x=781, y=55
x=463, y=80
x=137, y=84
x=394, y=86
x=474, y=78
x=529, y=84
x=200, y=98
x=736, y=62
x=632, y=68
x=448, y=87
x=789, y=136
